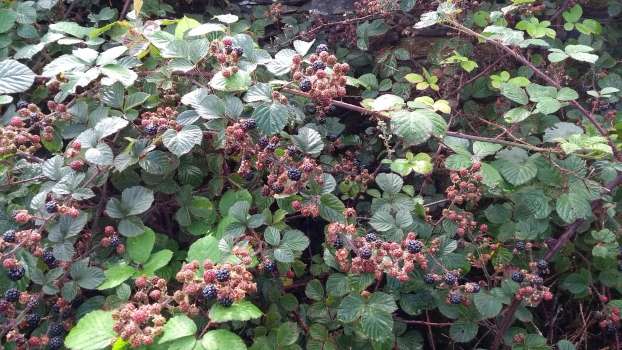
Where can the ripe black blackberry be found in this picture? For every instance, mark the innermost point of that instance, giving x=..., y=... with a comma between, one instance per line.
x=9, y=236
x=338, y=244
x=278, y=188
x=519, y=245
x=293, y=151
x=248, y=124
x=21, y=104
x=225, y=301
x=414, y=246
x=12, y=295
x=317, y=65
x=371, y=237
x=320, y=48
x=518, y=276
x=151, y=129
x=263, y=142
x=611, y=329
x=429, y=279
x=455, y=298
x=294, y=174
x=33, y=319
x=51, y=207
x=537, y=281
x=48, y=258
x=210, y=292
x=222, y=275
x=305, y=85
x=476, y=288
x=450, y=279
x=332, y=137
x=542, y=264
x=238, y=51
x=271, y=146
x=56, y=330
x=365, y=253
x=270, y=266
x=16, y=273
x=55, y=343
x=115, y=241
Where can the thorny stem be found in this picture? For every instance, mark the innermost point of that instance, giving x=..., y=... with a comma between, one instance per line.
x=362, y=110
x=522, y=59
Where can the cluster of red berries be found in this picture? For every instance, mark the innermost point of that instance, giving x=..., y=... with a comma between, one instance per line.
x=373, y=255
x=608, y=320
x=464, y=221
x=315, y=79
x=157, y=122
x=227, y=55
x=139, y=324
x=226, y=283
x=310, y=208
x=375, y=7
x=112, y=239
x=465, y=186
x=73, y=151
x=532, y=290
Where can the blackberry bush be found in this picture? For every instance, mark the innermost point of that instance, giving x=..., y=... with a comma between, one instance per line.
x=400, y=175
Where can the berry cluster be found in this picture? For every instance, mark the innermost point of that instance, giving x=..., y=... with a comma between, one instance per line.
x=139, y=324
x=464, y=221
x=160, y=120
x=373, y=255
x=465, y=186
x=532, y=290
x=458, y=288
x=26, y=129
x=227, y=283
x=608, y=320
x=112, y=239
x=315, y=79
x=227, y=55
x=309, y=208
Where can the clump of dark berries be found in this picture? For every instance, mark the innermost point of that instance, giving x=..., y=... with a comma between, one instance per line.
x=542, y=264
x=414, y=246
x=371, y=237
x=151, y=129
x=9, y=236
x=225, y=301
x=48, y=258
x=55, y=343
x=321, y=48
x=270, y=266
x=338, y=244
x=115, y=241
x=365, y=253
x=429, y=279
x=305, y=85
x=51, y=207
x=455, y=298
x=33, y=319
x=294, y=174
x=518, y=276
x=12, y=295
x=16, y=273
x=248, y=124
x=520, y=245
x=317, y=65
x=451, y=279
x=210, y=292
x=222, y=275
x=56, y=330
x=238, y=51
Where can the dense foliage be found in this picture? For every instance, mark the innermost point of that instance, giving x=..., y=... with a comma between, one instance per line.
x=414, y=174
